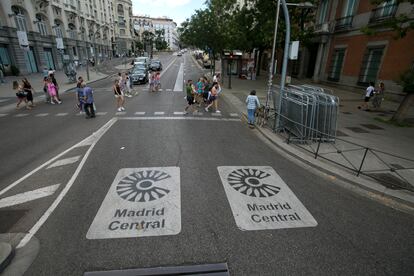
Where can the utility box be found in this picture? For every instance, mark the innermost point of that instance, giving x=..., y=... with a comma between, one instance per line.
x=294, y=50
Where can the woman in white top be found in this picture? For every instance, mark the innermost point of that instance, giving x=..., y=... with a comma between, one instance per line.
x=252, y=103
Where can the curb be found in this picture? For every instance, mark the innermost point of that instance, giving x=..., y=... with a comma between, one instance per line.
x=6, y=255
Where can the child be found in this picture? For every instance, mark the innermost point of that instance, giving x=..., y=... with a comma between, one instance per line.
x=51, y=88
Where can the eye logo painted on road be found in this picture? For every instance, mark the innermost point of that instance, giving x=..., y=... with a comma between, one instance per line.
x=141, y=186
x=250, y=182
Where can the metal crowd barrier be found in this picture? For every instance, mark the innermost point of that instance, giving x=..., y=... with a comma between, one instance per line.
x=308, y=113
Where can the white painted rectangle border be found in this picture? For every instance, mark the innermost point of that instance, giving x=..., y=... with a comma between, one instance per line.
x=121, y=214
x=260, y=199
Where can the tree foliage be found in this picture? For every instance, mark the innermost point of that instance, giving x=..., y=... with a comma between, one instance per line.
x=160, y=42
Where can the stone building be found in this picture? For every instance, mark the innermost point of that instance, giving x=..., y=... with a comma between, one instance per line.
x=349, y=57
x=38, y=34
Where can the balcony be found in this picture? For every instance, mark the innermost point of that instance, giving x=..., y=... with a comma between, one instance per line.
x=344, y=23
x=382, y=13
x=322, y=28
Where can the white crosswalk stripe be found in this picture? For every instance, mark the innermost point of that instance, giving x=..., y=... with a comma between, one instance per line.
x=159, y=113
x=4, y=100
x=178, y=113
x=234, y=114
x=61, y=114
x=42, y=114
x=21, y=115
x=216, y=114
x=120, y=113
x=140, y=113
x=101, y=113
x=3, y=115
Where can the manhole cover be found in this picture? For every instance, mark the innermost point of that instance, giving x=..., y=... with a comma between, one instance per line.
x=220, y=269
x=390, y=181
x=371, y=126
x=358, y=130
x=8, y=218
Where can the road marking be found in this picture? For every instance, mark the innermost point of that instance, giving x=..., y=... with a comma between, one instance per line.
x=180, y=79
x=65, y=161
x=182, y=118
x=61, y=114
x=120, y=113
x=159, y=113
x=141, y=202
x=178, y=113
x=21, y=115
x=140, y=113
x=4, y=100
x=168, y=90
x=216, y=114
x=42, y=114
x=28, y=196
x=234, y=115
x=260, y=199
x=91, y=140
x=3, y=115
x=101, y=113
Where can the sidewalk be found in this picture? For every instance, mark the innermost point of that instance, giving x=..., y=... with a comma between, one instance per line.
x=8, y=97
x=390, y=144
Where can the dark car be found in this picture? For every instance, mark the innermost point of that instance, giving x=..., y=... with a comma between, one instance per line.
x=156, y=65
x=139, y=75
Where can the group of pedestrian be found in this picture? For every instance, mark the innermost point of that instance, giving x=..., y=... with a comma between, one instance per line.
x=154, y=81
x=123, y=87
x=203, y=93
x=84, y=97
x=377, y=96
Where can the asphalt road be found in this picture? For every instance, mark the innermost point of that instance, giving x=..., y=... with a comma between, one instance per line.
x=354, y=235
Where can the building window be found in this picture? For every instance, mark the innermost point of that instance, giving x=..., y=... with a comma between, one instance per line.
x=4, y=56
x=120, y=9
x=349, y=7
x=58, y=31
x=370, y=65
x=122, y=31
x=72, y=31
x=74, y=51
x=41, y=26
x=336, y=64
x=323, y=11
x=121, y=21
x=385, y=10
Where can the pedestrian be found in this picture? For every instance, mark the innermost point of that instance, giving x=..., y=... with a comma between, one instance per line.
x=127, y=85
x=152, y=82
x=47, y=96
x=88, y=101
x=52, y=90
x=2, y=74
x=20, y=94
x=200, y=91
x=252, y=102
x=369, y=92
x=378, y=96
x=80, y=103
x=190, y=96
x=212, y=97
x=54, y=81
x=216, y=78
x=29, y=91
x=119, y=96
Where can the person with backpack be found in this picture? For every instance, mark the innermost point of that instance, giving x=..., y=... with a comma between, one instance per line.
x=21, y=95
x=79, y=95
x=252, y=102
x=369, y=92
x=29, y=91
x=200, y=91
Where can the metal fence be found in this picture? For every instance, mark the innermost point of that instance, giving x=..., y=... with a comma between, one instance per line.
x=308, y=113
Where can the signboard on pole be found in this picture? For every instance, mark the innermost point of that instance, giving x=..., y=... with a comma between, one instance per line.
x=59, y=43
x=294, y=50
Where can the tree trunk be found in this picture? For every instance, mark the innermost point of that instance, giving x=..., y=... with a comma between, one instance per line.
x=403, y=109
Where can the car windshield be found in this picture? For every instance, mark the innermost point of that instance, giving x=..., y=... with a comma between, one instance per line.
x=156, y=63
x=138, y=71
x=143, y=59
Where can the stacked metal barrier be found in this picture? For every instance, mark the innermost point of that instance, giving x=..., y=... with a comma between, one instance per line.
x=308, y=113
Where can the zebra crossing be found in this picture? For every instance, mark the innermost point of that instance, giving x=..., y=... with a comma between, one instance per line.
x=122, y=113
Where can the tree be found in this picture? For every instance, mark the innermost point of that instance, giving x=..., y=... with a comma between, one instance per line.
x=407, y=82
x=160, y=42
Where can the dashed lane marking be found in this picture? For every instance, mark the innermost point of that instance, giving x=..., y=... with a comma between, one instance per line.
x=42, y=114
x=140, y=113
x=159, y=113
x=182, y=118
x=178, y=113
x=65, y=161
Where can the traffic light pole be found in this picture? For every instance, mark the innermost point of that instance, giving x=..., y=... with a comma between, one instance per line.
x=231, y=63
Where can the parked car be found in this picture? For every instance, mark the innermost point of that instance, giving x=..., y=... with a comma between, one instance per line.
x=139, y=75
x=156, y=65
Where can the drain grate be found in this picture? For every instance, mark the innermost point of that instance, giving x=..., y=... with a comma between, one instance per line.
x=357, y=129
x=371, y=126
x=219, y=269
x=9, y=218
x=390, y=181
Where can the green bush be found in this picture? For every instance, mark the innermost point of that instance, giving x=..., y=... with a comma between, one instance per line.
x=407, y=81
x=14, y=70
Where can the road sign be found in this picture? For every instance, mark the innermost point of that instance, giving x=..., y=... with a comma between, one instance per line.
x=140, y=202
x=261, y=200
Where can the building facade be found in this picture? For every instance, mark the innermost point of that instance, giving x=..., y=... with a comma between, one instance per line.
x=38, y=34
x=146, y=23
x=350, y=57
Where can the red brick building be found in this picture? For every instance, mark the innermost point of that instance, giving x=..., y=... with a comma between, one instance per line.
x=351, y=58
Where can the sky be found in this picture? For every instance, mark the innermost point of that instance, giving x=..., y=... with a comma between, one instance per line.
x=178, y=10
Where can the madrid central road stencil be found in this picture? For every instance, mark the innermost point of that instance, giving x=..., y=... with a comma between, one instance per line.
x=260, y=199
x=141, y=202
